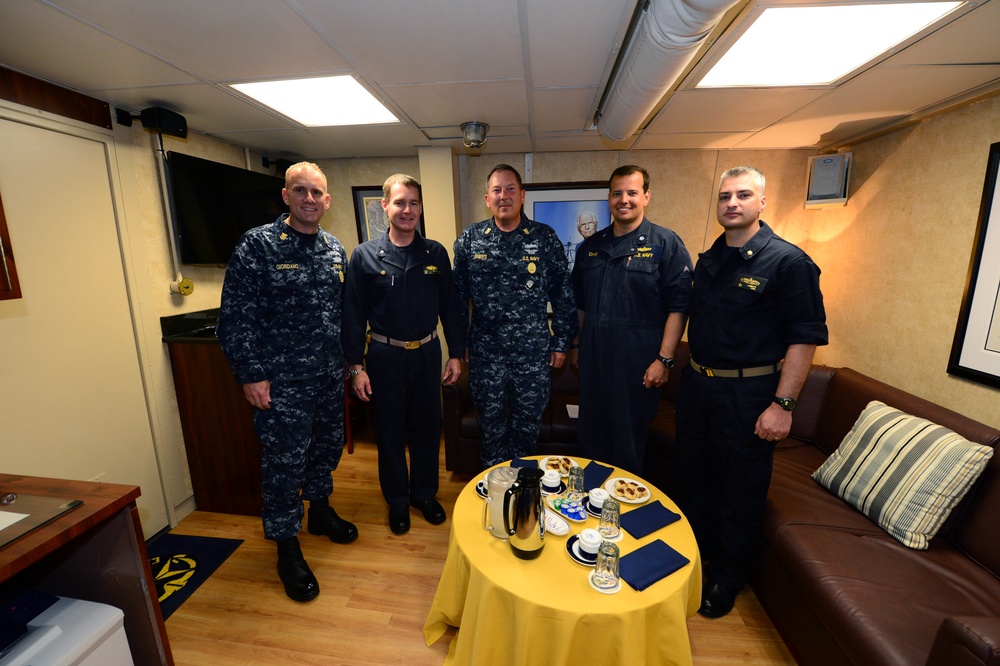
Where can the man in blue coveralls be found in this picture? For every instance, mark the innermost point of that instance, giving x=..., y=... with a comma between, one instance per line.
x=756, y=318
x=632, y=281
x=510, y=268
x=279, y=326
x=399, y=285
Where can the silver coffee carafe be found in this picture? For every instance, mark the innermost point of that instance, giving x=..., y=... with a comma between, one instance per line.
x=524, y=514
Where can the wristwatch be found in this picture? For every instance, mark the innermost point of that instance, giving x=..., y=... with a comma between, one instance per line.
x=669, y=362
x=787, y=404
x=354, y=372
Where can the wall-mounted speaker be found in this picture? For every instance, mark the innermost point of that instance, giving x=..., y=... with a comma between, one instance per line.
x=827, y=178
x=164, y=121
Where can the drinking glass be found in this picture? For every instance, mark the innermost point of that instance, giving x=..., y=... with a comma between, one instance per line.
x=606, y=569
x=610, y=525
x=574, y=484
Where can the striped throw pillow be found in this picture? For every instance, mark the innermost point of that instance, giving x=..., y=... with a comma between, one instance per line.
x=903, y=472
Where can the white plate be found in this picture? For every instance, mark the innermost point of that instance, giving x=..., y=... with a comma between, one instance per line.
x=573, y=550
x=557, y=502
x=543, y=464
x=555, y=524
x=610, y=487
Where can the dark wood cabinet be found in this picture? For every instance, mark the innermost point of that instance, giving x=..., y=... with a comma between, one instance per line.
x=223, y=451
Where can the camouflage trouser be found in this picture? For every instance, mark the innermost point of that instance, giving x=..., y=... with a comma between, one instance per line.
x=302, y=436
x=510, y=398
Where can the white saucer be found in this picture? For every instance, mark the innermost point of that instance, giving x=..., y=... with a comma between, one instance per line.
x=595, y=512
x=481, y=489
x=610, y=590
x=573, y=550
x=618, y=538
x=561, y=489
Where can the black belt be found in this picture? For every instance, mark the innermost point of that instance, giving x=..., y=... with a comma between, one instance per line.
x=405, y=344
x=757, y=371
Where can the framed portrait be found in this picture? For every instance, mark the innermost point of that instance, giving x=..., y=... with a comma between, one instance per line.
x=372, y=220
x=574, y=210
x=975, y=352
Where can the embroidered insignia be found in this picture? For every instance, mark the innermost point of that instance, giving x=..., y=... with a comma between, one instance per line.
x=531, y=267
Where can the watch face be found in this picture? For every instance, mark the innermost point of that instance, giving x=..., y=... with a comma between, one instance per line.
x=788, y=404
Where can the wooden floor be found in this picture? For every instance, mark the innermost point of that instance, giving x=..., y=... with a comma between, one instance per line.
x=375, y=593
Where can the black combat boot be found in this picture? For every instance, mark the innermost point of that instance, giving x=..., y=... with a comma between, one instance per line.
x=300, y=583
x=324, y=520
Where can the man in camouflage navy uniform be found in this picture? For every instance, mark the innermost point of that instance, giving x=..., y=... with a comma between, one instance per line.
x=510, y=268
x=400, y=285
x=279, y=326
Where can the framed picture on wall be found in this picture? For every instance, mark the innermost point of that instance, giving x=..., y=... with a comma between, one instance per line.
x=574, y=210
x=975, y=352
x=372, y=220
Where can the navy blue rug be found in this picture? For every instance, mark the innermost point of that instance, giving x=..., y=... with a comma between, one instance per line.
x=181, y=563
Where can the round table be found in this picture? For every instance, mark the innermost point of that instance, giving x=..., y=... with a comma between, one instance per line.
x=513, y=611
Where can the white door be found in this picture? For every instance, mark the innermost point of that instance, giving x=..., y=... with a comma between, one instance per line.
x=72, y=403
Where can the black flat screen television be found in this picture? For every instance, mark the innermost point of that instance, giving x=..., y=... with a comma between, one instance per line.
x=213, y=204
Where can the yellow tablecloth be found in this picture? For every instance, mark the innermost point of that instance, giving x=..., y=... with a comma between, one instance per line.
x=512, y=611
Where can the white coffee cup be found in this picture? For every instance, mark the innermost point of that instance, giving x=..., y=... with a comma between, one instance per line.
x=597, y=497
x=551, y=480
x=589, y=543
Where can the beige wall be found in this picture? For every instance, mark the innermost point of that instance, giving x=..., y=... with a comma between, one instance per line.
x=895, y=260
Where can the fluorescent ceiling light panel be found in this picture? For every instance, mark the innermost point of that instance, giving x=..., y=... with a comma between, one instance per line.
x=801, y=46
x=320, y=102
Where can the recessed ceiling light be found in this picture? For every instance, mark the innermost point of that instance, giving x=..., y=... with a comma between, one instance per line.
x=801, y=46
x=320, y=102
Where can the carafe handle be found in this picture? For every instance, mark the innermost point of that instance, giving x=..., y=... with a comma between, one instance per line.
x=510, y=529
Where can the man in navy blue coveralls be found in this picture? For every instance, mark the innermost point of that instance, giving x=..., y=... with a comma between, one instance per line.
x=279, y=326
x=510, y=268
x=399, y=285
x=632, y=281
x=756, y=317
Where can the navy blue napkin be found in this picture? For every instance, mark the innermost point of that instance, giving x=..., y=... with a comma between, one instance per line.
x=647, y=519
x=595, y=474
x=649, y=564
x=521, y=462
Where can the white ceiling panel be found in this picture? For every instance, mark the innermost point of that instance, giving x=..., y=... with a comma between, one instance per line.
x=436, y=105
x=219, y=40
x=972, y=38
x=870, y=100
x=571, y=59
x=396, y=41
x=730, y=110
x=553, y=110
x=36, y=42
x=692, y=141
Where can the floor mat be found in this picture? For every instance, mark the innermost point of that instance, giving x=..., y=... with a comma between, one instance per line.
x=181, y=563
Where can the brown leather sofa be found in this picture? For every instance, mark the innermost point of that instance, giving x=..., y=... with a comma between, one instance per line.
x=837, y=587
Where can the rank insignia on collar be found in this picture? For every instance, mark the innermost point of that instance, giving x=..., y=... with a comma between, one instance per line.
x=283, y=236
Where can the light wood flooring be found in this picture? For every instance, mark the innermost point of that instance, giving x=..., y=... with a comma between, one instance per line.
x=375, y=593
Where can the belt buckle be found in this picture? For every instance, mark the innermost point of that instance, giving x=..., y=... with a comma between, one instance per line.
x=708, y=372
x=413, y=344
